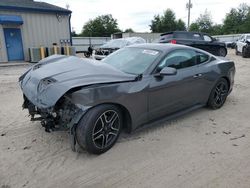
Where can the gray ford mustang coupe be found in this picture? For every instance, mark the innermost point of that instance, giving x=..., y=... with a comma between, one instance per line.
x=133, y=86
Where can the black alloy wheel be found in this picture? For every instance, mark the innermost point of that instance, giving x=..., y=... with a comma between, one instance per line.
x=106, y=129
x=99, y=128
x=219, y=94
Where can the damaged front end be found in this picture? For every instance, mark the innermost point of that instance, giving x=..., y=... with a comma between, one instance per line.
x=60, y=117
x=47, y=88
x=64, y=116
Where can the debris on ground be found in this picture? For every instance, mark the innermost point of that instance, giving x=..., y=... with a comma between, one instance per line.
x=5, y=186
x=226, y=132
x=235, y=138
x=3, y=134
x=211, y=119
x=26, y=147
x=235, y=145
x=24, y=185
x=213, y=153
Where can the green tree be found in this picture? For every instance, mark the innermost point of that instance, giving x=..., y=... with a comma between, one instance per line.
x=129, y=30
x=217, y=29
x=237, y=20
x=203, y=23
x=166, y=22
x=101, y=26
x=180, y=25
x=194, y=27
x=156, y=24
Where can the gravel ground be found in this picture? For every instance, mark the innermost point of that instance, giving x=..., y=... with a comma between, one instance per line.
x=204, y=148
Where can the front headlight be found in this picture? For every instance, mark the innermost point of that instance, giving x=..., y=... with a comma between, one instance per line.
x=44, y=83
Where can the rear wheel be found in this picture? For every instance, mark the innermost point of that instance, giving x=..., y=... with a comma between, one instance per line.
x=218, y=94
x=99, y=129
x=222, y=52
x=244, y=52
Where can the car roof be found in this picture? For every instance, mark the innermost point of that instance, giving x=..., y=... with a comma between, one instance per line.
x=192, y=32
x=166, y=47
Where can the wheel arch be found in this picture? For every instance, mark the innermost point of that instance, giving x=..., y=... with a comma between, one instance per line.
x=228, y=81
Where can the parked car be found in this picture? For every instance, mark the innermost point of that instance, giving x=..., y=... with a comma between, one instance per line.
x=134, y=86
x=116, y=44
x=243, y=45
x=230, y=44
x=195, y=39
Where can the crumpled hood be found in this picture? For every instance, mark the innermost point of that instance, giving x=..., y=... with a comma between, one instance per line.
x=47, y=81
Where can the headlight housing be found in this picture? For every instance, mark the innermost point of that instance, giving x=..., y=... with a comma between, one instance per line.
x=44, y=83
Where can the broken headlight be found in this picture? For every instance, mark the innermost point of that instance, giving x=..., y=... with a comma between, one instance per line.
x=44, y=83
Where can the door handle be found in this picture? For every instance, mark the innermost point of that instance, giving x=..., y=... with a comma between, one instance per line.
x=197, y=75
x=7, y=45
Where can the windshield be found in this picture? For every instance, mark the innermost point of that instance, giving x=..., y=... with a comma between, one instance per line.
x=132, y=60
x=248, y=37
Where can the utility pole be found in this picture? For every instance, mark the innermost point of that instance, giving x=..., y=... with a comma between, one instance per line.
x=189, y=5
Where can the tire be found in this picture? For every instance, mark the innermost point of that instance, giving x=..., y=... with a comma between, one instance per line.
x=236, y=51
x=218, y=94
x=222, y=52
x=244, y=53
x=87, y=54
x=99, y=129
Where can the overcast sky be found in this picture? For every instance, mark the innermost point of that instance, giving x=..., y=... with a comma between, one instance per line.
x=137, y=14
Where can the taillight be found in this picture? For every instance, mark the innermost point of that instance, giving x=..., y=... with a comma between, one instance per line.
x=173, y=41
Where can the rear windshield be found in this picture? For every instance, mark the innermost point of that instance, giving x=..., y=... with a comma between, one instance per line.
x=166, y=37
x=181, y=35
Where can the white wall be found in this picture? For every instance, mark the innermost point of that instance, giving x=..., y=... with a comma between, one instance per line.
x=3, y=53
x=38, y=29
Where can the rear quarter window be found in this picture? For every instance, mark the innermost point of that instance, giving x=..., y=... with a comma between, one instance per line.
x=201, y=57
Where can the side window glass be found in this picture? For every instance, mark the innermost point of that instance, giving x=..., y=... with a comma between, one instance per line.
x=201, y=57
x=179, y=59
x=207, y=38
x=196, y=36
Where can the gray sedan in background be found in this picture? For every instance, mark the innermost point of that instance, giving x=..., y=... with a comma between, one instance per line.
x=133, y=86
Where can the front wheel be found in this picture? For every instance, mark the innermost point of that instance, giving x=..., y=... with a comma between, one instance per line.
x=99, y=129
x=218, y=94
x=236, y=50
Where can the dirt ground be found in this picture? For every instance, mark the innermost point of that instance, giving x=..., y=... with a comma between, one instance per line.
x=204, y=148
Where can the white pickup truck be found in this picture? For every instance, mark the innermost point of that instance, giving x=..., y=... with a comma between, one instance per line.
x=243, y=45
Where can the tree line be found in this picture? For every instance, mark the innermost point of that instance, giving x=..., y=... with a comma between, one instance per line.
x=236, y=21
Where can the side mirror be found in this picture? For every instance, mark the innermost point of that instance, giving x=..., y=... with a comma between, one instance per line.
x=167, y=71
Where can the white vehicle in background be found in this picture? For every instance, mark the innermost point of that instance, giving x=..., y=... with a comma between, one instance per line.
x=243, y=45
x=116, y=44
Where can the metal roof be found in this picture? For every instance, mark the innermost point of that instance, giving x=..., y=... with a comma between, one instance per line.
x=31, y=6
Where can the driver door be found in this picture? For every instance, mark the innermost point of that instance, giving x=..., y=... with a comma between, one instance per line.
x=169, y=94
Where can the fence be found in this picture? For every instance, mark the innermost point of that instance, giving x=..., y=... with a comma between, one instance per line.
x=82, y=43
